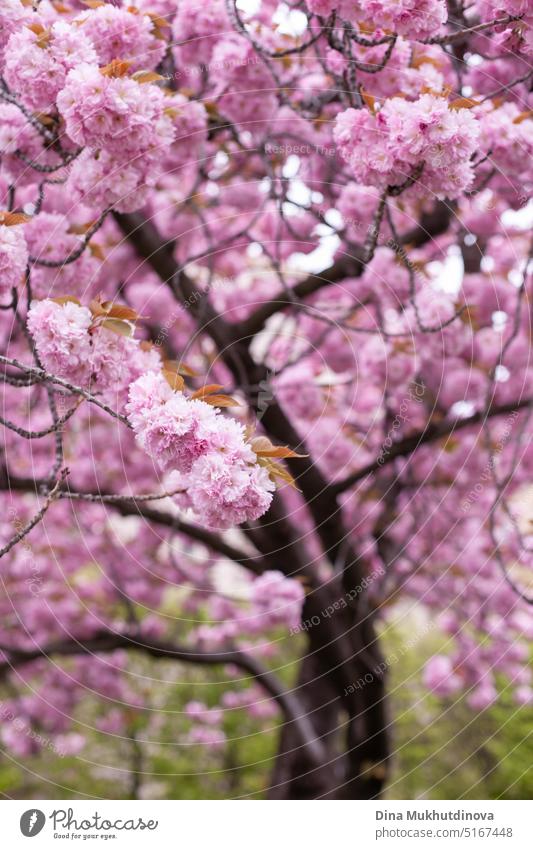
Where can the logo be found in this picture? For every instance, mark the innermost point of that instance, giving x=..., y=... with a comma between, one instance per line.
x=32, y=822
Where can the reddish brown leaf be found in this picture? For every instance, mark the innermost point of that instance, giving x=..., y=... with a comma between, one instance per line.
x=96, y=308
x=119, y=311
x=96, y=251
x=221, y=401
x=523, y=116
x=207, y=390
x=180, y=368
x=122, y=328
x=279, y=452
x=66, y=299
x=463, y=103
x=116, y=68
x=43, y=118
x=263, y=447
x=143, y=77
x=275, y=470
x=175, y=381
x=11, y=219
x=369, y=100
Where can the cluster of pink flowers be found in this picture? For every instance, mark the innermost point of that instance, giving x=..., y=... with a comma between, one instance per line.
x=278, y=599
x=247, y=89
x=13, y=258
x=13, y=14
x=97, y=179
x=62, y=340
x=126, y=129
x=113, y=112
x=226, y=490
x=123, y=34
x=38, y=60
x=506, y=137
x=51, y=238
x=194, y=32
x=17, y=135
x=70, y=345
x=425, y=141
x=413, y=18
x=217, y=469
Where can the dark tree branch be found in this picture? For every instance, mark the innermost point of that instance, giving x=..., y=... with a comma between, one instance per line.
x=431, y=224
x=431, y=433
x=108, y=642
x=130, y=507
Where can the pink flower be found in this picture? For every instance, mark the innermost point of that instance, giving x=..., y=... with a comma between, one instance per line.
x=413, y=18
x=71, y=345
x=18, y=135
x=201, y=713
x=13, y=258
x=524, y=695
x=101, y=180
x=61, y=335
x=38, y=60
x=425, y=141
x=440, y=677
x=69, y=744
x=122, y=34
x=278, y=598
x=206, y=451
x=226, y=492
x=115, y=113
x=483, y=696
x=214, y=738
x=50, y=238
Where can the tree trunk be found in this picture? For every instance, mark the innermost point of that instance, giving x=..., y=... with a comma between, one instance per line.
x=348, y=712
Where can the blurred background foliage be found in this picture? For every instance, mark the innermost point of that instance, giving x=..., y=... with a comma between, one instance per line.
x=442, y=749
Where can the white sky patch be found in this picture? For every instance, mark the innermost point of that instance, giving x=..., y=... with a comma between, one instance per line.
x=250, y=7
x=291, y=167
x=299, y=193
x=230, y=579
x=521, y=218
x=448, y=275
x=501, y=374
x=289, y=21
x=462, y=409
x=254, y=250
x=334, y=218
x=499, y=319
x=516, y=277
x=221, y=159
x=319, y=259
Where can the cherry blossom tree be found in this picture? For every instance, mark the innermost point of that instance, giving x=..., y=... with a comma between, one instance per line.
x=265, y=344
